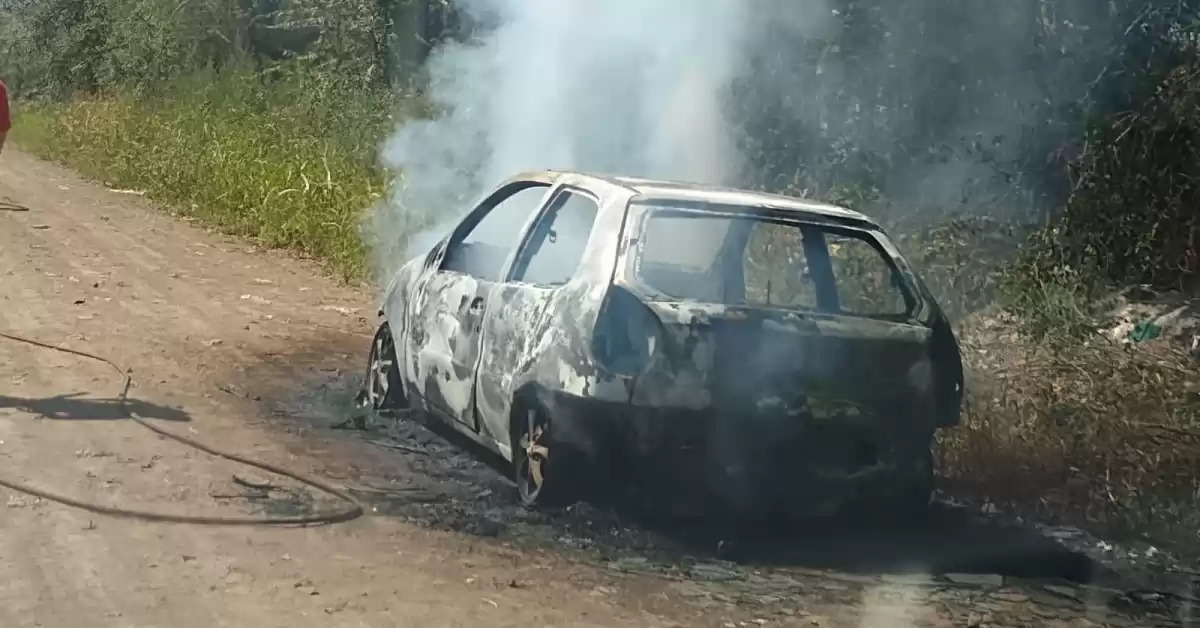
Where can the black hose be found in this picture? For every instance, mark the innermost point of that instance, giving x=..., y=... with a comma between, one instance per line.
x=353, y=511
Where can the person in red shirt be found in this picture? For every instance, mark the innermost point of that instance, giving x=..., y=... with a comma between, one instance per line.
x=5, y=119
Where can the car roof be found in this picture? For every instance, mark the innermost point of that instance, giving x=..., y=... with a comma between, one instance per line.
x=650, y=190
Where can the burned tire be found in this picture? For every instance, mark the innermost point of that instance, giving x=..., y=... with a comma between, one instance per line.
x=382, y=389
x=546, y=473
x=915, y=502
x=908, y=502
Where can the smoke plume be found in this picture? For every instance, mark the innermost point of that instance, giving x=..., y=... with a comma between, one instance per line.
x=930, y=103
x=619, y=87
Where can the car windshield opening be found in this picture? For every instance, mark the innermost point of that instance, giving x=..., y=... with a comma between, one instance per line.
x=766, y=260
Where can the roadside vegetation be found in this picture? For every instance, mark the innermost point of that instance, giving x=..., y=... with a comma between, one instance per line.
x=184, y=102
x=1083, y=212
x=288, y=165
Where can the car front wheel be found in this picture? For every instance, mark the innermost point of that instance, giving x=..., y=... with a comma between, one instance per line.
x=382, y=390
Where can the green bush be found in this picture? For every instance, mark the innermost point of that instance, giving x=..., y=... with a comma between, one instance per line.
x=1134, y=217
x=290, y=163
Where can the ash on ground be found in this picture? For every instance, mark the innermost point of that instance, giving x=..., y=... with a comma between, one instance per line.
x=960, y=558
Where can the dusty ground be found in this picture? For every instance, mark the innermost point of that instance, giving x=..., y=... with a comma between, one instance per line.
x=259, y=353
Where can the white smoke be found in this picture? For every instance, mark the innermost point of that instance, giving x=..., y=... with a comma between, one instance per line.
x=644, y=88
x=629, y=87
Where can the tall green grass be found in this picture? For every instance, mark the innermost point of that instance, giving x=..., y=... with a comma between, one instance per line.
x=289, y=162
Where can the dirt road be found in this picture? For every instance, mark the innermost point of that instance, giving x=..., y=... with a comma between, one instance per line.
x=258, y=353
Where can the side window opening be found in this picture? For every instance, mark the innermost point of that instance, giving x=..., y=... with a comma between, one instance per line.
x=867, y=282
x=556, y=245
x=776, y=268
x=684, y=260
x=482, y=251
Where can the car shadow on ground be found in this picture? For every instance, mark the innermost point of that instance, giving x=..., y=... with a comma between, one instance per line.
x=949, y=540
x=78, y=407
x=466, y=488
x=437, y=478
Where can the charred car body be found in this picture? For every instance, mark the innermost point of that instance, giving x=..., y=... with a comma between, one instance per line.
x=588, y=327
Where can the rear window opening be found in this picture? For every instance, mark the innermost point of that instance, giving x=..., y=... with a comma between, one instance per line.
x=764, y=260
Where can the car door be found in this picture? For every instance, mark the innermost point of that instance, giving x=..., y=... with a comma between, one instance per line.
x=447, y=315
x=514, y=334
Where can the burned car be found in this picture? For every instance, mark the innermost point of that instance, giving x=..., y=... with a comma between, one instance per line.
x=756, y=352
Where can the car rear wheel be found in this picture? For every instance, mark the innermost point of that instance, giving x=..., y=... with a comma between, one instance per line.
x=382, y=390
x=907, y=503
x=916, y=500
x=543, y=473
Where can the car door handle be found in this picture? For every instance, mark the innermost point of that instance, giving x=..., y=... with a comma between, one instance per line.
x=475, y=315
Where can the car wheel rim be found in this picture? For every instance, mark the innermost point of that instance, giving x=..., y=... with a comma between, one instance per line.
x=379, y=383
x=535, y=454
